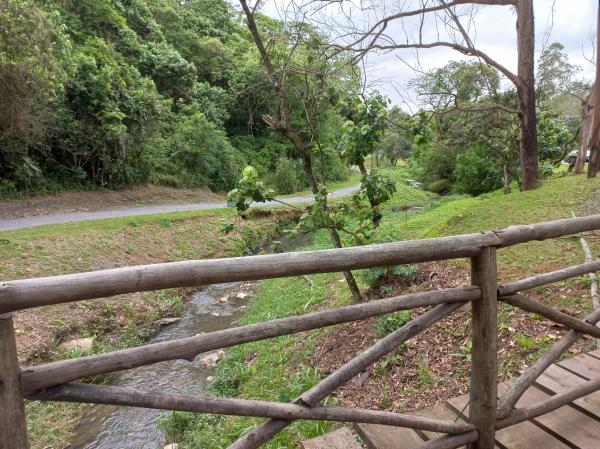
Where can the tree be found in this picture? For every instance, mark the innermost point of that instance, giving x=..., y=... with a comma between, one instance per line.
x=555, y=75
x=397, y=142
x=594, y=164
x=282, y=125
x=376, y=38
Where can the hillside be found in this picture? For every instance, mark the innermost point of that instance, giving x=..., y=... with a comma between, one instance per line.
x=106, y=94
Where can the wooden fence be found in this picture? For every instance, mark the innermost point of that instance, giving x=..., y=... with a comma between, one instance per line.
x=54, y=381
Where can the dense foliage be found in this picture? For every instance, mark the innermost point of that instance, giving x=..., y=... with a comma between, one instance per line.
x=466, y=137
x=114, y=92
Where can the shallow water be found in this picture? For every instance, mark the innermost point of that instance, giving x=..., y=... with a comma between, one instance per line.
x=111, y=427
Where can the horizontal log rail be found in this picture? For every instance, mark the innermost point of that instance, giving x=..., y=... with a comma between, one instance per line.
x=548, y=278
x=27, y=293
x=133, y=397
x=42, y=376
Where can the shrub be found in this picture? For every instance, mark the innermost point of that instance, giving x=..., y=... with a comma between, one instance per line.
x=287, y=177
x=478, y=171
x=389, y=323
x=441, y=186
x=330, y=168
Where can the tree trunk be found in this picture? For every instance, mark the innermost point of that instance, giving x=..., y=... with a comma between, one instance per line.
x=335, y=236
x=585, y=132
x=526, y=90
x=594, y=164
x=505, y=179
x=376, y=215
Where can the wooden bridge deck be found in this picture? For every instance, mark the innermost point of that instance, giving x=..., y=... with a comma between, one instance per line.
x=576, y=425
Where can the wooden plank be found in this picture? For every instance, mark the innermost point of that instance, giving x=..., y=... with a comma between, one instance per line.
x=565, y=423
x=377, y=436
x=338, y=439
x=595, y=354
x=50, y=374
x=438, y=411
x=13, y=428
x=558, y=380
x=484, y=332
x=583, y=365
x=525, y=435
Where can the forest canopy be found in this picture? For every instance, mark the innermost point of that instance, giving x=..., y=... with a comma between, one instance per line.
x=106, y=93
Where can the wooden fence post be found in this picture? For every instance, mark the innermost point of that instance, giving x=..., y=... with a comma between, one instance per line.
x=13, y=428
x=482, y=412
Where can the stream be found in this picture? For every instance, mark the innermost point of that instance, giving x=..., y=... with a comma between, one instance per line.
x=108, y=427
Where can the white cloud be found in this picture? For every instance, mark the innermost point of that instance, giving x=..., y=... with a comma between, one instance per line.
x=572, y=23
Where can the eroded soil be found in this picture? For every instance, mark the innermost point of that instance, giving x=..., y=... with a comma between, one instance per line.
x=95, y=200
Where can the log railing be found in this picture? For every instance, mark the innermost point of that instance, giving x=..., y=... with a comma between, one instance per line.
x=53, y=381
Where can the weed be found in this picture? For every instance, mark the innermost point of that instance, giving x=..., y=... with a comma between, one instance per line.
x=525, y=342
x=425, y=375
x=387, y=363
x=464, y=350
x=174, y=424
x=385, y=401
x=387, y=324
x=128, y=310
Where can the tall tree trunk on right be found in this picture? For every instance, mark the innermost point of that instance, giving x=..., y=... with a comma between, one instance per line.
x=526, y=91
x=585, y=132
x=594, y=164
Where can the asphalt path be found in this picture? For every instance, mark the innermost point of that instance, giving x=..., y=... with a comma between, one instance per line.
x=38, y=220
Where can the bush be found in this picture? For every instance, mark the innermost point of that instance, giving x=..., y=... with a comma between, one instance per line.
x=288, y=176
x=441, y=186
x=387, y=324
x=478, y=171
x=330, y=168
x=195, y=154
x=545, y=169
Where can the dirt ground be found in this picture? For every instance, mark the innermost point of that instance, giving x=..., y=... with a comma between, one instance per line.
x=436, y=364
x=94, y=200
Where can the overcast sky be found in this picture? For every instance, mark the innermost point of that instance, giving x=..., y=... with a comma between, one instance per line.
x=573, y=24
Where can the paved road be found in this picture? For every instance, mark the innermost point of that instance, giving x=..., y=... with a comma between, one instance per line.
x=28, y=222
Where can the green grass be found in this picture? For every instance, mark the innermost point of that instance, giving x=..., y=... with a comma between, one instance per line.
x=279, y=369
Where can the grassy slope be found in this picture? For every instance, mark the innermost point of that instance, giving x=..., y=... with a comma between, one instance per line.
x=279, y=369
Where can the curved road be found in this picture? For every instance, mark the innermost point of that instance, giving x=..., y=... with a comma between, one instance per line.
x=28, y=222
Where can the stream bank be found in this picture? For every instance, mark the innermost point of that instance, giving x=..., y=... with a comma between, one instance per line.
x=214, y=308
